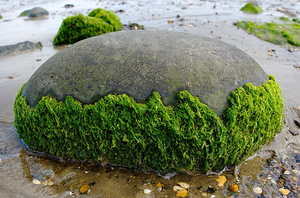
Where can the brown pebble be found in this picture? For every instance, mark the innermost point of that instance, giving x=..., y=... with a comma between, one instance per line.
x=10, y=77
x=84, y=188
x=38, y=59
x=233, y=188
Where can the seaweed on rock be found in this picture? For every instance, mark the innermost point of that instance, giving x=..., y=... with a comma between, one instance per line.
x=118, y=130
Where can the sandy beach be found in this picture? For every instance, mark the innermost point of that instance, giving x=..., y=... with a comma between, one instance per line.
x=214, y=19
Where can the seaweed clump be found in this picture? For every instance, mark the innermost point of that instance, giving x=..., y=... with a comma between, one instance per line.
x=277, y=33
x=250, y=8
x=150, y=136
x=79, y=27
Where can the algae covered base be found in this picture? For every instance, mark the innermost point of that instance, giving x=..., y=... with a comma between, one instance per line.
x=151, y=136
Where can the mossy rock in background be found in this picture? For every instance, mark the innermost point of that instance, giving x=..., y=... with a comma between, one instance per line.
x=277, y=33
x=107, y=16
x=153, y=100
x=250, y=8
x=79, y=27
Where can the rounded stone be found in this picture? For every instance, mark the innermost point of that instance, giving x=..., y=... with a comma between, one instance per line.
x=140, y=62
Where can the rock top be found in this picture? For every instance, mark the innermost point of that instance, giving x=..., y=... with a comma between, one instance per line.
x=140, y=62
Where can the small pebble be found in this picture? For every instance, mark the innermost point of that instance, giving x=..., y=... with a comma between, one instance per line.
x=182, y=193
x=147, y=191
x=35, y=181
x=84, y=188
x=183, y=185
x=257, y=190
x=284, y=191
x=233, y=188
x=221, y=180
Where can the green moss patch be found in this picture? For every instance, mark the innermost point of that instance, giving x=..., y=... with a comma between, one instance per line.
x=118, y=130
x=250, y=8
x=278, y=33
x=79, y=27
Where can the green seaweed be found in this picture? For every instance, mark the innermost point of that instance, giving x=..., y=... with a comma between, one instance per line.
x=1, y=16
x=250, y=8
x=79, y=27
x=284, y=19
x=108, y=17
x=150, y=136
x=278, y=33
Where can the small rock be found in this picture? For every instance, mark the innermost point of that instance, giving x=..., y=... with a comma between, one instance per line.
x=84, y=188
x=159, y=184
x=10, y=77
x=177, y=188
x=182, y=193
x=284, y=191
x=297, y=123
x=147, y=191
x=170, y=21
x=183, y=185
x=233, y=188
x=38, y=59
x=50, y=182
x=69, y=6
x=257, y=190
x=35, y=181
x=204, y=194
x=221, y=180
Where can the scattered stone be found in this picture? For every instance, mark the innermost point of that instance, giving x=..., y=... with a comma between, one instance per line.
x=177, y=188
x=35, y=181
x=170, y=21
x=233, y=188
x=159, y=184
x=297, y=123
x=19, y=47
x=69, y=6
x=50, y=182
x=38, y=59
x=287, y=12
x=84, y=188
x=284, y=191
x=147, y=191
x=221, y=181
x=35, y=12
x=204, y=194
x=10, y=77
x=182, y=193
x=183, y=185
x=257, y=190
x=120, y=11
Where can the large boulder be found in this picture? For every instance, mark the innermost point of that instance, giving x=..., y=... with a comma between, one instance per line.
x=138, y=63
x=154, y=100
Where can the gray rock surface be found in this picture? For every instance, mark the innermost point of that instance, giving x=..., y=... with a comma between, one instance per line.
x=19, y=47
x=35, y=12
x=140, y=62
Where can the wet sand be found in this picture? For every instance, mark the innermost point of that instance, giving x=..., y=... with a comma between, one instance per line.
x=18, y=167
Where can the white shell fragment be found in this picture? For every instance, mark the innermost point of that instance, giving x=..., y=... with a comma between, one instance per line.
x=183, y=185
